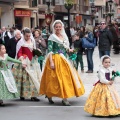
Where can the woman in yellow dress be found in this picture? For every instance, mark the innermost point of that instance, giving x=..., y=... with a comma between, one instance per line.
x=103, y=100
x=59, y=78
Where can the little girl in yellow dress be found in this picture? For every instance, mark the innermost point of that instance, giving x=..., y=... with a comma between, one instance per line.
x=103, y=100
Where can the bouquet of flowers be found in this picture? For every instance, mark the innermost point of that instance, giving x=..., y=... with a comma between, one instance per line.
x=73, y=56
x=115, y=74
x=37, y=52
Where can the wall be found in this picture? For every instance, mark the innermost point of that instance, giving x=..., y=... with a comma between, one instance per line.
x=7, y=16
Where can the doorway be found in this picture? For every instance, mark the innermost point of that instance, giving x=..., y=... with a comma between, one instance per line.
x=18, y=23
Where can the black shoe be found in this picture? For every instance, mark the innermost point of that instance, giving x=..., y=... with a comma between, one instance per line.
x=34, y=99
x=50, y=100
x=65, y=103
x=89, y=71
x=22, y=98
x=116, y=52
x=2, y=104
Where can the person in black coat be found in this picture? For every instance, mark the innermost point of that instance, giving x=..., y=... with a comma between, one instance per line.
x=78, y=46
x=12, y=44
x=6, y=36
x=105, y=40
x=0, y=36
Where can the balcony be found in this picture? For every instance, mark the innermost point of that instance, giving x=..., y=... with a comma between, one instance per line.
x=22, y=4
x=83, y=9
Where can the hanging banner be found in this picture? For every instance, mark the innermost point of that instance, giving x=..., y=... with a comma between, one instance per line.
x=48, y=18
x=78, y=19
x=22, y=13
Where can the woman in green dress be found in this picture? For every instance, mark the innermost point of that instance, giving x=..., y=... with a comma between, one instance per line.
x=8, y=89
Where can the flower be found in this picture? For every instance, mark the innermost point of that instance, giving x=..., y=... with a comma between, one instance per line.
x=60, y=51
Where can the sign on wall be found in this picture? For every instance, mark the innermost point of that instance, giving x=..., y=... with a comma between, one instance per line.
x=22, y=13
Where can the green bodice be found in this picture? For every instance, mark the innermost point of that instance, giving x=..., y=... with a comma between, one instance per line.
x=56, y=48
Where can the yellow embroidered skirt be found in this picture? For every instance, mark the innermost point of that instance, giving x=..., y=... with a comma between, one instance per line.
x=60, y=82
x=103, y=101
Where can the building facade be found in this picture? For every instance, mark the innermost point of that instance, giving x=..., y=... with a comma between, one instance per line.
x=79, y=14
x=6, y=13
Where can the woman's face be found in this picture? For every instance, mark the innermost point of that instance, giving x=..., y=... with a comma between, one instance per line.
x=58, y=28
x=27, y=36
x=2, y=50
x=106, y=63
x=37, y=34
x=81, y=28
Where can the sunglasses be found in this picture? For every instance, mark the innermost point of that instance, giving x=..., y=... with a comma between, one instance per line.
x=102, y=24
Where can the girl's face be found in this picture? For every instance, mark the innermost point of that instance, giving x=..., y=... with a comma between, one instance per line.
x=106, y=63
x=2, y=50
x=58, y=28
x=27, y=36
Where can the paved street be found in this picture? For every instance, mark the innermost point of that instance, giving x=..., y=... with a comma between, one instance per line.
x=27, y=110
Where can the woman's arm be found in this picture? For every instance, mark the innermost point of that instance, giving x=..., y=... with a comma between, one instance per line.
x=13, y=60
x=90, y=37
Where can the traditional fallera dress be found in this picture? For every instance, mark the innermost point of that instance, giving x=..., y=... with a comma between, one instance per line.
x=27, y=79
x=103, y=100
x=64, y=81
x=8, y=89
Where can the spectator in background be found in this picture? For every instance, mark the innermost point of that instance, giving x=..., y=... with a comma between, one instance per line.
x=78, y=46
x=0, y=36
x=96, y=33
x=89, y=51
x=6, y=36
x=12, y=43
x=105, y=40
x=12, y=30
x=81, y=32
x=116, y=34
x=40, y=44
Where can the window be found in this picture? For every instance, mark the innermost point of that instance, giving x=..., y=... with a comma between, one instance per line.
x=34, y=3
x=39, y=1
x=52, y=2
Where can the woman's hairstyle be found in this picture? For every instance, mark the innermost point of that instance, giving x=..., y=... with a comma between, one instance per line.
x=89, y=28
x=103, y=58
x=26, y=30
x=39, y=31
x=1, y=46
x=58, y=22
x=82, y=28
